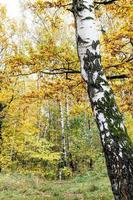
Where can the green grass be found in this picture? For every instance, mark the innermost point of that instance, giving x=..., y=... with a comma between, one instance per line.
x=92, y=186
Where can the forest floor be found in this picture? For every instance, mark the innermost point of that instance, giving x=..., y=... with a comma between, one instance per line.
x=92, y=186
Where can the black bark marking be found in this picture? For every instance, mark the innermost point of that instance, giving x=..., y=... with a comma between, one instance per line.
x=95, y=44
x=88, y=18
x=91, y=56
x=90, y=68
x=80, y=40
x=97, y=63
x=90, y=61
x=91, y=6
x=78, y=5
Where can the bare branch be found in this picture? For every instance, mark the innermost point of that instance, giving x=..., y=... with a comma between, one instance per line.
x=105, y=2
x=66, y=72
x=121, y=76
x=119, y=64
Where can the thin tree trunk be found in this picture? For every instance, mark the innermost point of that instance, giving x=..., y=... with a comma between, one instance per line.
x=1, y=119
x=67, y=125
x=47, y=130
x=2, y=106
x=63, y=139
x=116, y=144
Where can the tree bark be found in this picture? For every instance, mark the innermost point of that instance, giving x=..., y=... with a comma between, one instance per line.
x=67, y=125
x=63, y=138
x=116, y=144
x=2, y=106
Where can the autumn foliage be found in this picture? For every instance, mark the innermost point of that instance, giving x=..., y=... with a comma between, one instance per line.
x=40, y=83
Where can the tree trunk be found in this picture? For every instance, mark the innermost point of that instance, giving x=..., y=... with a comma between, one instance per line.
x=1, y=121
x=63, y=138
x=116, y=144
x=67, y=125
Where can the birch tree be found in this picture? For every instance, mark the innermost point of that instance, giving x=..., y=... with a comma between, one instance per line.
x=116, y=144
x=63, y=138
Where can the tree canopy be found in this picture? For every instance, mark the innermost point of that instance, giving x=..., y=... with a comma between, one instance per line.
x=42, y=93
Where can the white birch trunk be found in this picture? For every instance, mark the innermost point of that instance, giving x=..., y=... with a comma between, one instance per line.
x=63, y=139
x=67, y=126
x=115, y=141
